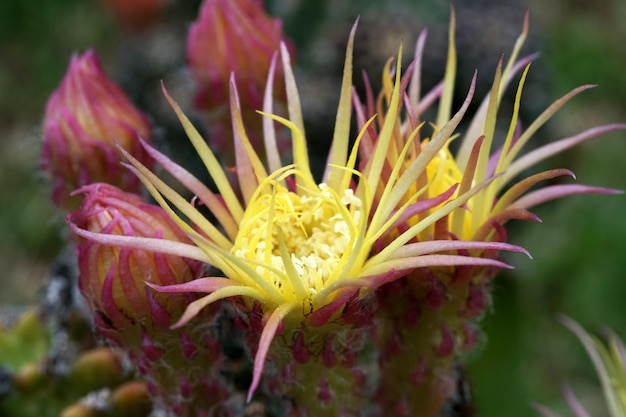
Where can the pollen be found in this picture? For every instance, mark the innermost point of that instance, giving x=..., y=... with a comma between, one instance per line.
x=298, y=240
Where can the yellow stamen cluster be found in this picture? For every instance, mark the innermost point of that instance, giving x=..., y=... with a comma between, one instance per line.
x=308, y=233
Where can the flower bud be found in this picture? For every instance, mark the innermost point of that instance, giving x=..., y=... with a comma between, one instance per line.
x=233, y=37
x=113, y=279
x=132, y=315
x=84, y=119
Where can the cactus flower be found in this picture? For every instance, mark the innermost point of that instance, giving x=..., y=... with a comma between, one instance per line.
x=299, y=255
x=232, y=36
x=431, y=314
x=84, y=119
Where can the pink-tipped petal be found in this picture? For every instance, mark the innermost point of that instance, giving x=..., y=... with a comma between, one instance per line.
x=225, y=291
x=423, y=205
x=269, y=131
x=379, y=274
x=210, y=199
x=269, y=331
x=524, y=185
x=142, y=243
x=546, y=151
x=247, y=160
x=423, y=248
x=557, y=191
x=206, y=285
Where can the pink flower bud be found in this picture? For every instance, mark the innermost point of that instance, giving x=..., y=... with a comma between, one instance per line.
x=113, y=279
x=234, y=37
x=84, y=119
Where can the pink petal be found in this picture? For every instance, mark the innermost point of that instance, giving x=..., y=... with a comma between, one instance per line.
x=142, y=243
x=524, y=185
x=394, y=269
x=423, y=205
x=269, y=131
x=558, y=191
x=546, y=151
x=214, y=202
x=205, y=285
x=430, y=247
x=245, y=173
x=269, y=331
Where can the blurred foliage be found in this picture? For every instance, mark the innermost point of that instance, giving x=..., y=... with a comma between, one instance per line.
x=42, y=378
x=578, y=250
x=36, y=41
x=24, y=341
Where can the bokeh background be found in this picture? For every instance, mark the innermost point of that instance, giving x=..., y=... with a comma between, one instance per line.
x=579, y=251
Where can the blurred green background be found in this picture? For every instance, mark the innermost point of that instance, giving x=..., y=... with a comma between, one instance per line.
x=579, y=250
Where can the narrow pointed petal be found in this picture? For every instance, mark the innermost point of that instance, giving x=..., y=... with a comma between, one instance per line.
x=402, y=266
x=524, y=185
x=434, y=246
x=206, y=284
x=341, y=133
x=413, y=231
x=269, y=331
x=269, y=131
x=142, y=243
x=213, y=202
x=208, y=158
x=249, y=170
x=421, y=207
x=513, y=125
x=195, y=307
x=557, y=191
x=416, y=82
x=511, y=69
x=540, y=121
x=382, y=146
x=300, y=153
x=160, y=191
x=551, y=149
x=489, y=126
x=418, y=165
x=474, y=130
x=445, y=104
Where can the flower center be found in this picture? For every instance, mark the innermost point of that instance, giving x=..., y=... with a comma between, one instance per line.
x=288, y=236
